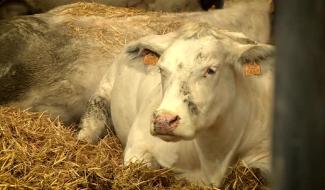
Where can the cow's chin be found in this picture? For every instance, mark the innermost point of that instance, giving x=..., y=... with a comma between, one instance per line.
x=182, y=132
x=173, y=137
x=169, y=138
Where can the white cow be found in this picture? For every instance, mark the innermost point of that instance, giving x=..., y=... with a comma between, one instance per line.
x=197, y=100
x=54, y=61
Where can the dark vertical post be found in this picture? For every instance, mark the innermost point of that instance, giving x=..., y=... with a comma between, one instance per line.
x=299, y=127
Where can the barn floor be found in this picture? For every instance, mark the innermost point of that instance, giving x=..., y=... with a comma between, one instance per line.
x=39, y=153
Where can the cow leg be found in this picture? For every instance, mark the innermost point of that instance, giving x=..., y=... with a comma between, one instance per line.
x=139, y=154
x=139, y=143
x=97, y=121
x=142, y=147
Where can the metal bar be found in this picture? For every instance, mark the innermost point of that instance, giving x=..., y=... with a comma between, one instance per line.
x=299, y=127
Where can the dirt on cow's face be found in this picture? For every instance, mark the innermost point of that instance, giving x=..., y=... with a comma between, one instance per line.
x=197, y=83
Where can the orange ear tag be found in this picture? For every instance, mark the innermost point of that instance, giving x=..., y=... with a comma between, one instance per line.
x=252, y=69
x=150, y=59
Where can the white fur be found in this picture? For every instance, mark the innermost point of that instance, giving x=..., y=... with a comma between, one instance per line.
x=234, y=111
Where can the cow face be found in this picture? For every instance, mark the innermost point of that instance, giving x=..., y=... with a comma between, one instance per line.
x=200, y=73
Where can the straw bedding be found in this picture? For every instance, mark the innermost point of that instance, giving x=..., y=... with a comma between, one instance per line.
x=112, y=27
x=37, y=152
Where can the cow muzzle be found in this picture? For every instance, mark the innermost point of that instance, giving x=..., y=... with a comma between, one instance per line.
x=165, y=123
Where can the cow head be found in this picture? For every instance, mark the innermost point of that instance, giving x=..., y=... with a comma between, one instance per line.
x=201, y=70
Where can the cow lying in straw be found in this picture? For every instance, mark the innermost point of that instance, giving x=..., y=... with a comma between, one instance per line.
x=196, y=100
x=54, y=61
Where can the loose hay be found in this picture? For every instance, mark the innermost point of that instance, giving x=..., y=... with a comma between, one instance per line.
x=39, y=153
x=244, y=178
x=96, y=9
x=112, y=27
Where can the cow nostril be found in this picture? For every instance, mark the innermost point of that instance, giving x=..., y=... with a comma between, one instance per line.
x=165, y=119
x=174, y=120
x=165, y=123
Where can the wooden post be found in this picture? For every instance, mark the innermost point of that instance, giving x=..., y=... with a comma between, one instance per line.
x=299, y=110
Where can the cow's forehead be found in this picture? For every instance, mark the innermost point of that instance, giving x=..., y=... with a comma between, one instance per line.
x=193, y=53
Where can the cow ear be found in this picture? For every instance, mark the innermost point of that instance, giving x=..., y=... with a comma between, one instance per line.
x=154, y=43
x=255, y=60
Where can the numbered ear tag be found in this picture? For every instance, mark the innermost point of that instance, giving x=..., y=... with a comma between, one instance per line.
x=150, y=59
x=252, y=69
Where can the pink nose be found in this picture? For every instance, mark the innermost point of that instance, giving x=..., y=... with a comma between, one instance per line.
x=165, y=123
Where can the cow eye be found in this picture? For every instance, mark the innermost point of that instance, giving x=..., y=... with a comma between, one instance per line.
x=149, y=57
x=210, y=71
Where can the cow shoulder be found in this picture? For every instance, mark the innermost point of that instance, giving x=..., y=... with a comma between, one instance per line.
x=40, y=51
x=15, y=39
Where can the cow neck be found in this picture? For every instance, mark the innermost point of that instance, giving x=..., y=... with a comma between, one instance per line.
x=254, y=149
x=217, y=147
x=224, y=143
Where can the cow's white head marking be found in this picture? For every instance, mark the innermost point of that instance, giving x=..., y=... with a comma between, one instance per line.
x=201, y=70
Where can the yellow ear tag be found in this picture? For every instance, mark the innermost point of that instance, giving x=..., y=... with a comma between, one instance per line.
x=150, y=59
x=252, y=69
